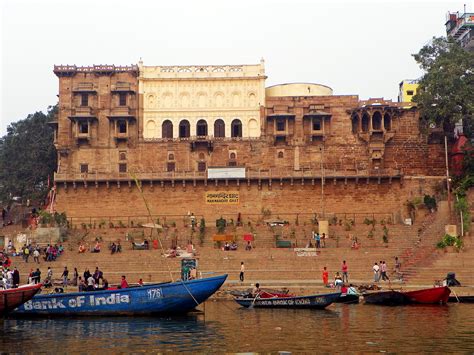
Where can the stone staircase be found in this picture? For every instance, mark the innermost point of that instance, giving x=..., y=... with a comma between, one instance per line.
x=264, y=263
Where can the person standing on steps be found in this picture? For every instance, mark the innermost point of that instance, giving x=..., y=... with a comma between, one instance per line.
x=383, y=270
x=345, y=277
x=242, y=271
x=376, y=269
x=64, y=276
x=325, y=276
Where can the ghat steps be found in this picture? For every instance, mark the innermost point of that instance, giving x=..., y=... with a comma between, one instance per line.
x=264, y=262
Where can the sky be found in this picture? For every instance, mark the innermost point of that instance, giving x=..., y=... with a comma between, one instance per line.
x=355, y=47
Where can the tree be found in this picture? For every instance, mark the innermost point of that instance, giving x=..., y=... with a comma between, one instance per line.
x=446, y=91
x=27, y=157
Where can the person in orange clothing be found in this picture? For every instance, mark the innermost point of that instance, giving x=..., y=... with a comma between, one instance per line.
x=325, y=276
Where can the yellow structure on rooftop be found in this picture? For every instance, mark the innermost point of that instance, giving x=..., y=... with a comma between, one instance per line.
x=407, y=89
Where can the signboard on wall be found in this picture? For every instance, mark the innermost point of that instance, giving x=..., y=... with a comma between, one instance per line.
x=226, y=173
x=222, y=197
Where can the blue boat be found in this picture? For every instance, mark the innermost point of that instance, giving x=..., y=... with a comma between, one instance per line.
x=162, y=298
x=313, y=301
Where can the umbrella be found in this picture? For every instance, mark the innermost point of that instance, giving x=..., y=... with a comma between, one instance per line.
x=152, y=225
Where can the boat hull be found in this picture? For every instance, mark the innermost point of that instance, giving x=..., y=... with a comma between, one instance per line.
x=14, y=297
x=386, y=298
x=432, y=295
x=348, y=299
x=461, y=299
x=165, y=298
x=313, y=301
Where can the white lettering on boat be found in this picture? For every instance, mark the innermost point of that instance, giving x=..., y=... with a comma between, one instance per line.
x=289, y=302
x=77, y=302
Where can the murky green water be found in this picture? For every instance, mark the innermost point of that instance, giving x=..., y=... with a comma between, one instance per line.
x=227, y=328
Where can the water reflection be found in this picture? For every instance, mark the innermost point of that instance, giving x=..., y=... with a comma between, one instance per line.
x=227, y=328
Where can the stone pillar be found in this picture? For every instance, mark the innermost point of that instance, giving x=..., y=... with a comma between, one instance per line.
x=297, y=158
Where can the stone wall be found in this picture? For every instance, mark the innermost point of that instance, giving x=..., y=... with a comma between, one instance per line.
x=282, y=200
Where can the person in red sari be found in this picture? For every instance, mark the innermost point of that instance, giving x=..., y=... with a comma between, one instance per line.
x=325, y=276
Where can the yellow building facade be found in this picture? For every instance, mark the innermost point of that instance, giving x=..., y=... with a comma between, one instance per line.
x=201, y=101
x=407, y=90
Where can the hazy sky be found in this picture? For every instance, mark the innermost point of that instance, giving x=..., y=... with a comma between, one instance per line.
x=355, y=47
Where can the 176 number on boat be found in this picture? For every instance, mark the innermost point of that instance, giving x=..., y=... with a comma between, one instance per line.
x=154, y=293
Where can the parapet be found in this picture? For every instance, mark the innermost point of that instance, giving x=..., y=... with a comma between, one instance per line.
x=71, y=70
x=298, y=89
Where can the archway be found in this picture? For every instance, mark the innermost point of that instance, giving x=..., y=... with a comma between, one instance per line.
x=184, y=129
x=201, y=128
x=219, y=128
x=236, y=128
x=167, y=129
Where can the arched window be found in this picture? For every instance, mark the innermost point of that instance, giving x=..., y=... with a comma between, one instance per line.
x=387, y=122
x=280, y=154
x=170, y=156
x=201, y=128
x=377, y=121
x=184, y=130
x=219, y=128
x=236, y=128
x=167, y=129
x=232, y=156
x=201, y=156
x=365, y=122
x=355, y=123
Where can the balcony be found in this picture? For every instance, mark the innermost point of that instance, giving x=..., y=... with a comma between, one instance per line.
x=122, y=87
x=121, y=136
x=83, y=111
x=85, y=88
x=83, y=136
x=122, y=112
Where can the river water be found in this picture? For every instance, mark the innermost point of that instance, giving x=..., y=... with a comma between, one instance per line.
x=225, y=327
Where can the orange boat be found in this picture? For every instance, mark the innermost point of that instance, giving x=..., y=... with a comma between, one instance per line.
x=14, y=297
x=429, y=296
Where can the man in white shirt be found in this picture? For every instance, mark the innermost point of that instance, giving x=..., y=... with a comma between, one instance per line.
x=376, y=269
x=90, y=283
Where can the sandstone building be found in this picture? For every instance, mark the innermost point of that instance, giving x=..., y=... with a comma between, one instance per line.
x=295, y=148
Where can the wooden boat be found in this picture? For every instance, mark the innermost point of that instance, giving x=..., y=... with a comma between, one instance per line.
x=14, y=297
x=461, y=299
x=264, y=293
x=432, y=295
x=348, y=299
x=164, y=298
x=386, y=298
x=313, y=301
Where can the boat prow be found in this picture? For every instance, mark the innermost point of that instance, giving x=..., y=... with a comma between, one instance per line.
x=14, y=297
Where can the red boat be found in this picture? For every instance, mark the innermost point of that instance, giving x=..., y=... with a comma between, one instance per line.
x=429, y=295
x=14, y=297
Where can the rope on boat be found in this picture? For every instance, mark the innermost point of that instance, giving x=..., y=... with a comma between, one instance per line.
x=151, y=218
x=158, y=236
x=187, y=289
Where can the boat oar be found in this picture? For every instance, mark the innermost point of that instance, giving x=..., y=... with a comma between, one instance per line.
x=456, y=296
x=253, y=302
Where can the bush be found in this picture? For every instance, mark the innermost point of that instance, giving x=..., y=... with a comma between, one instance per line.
x=430, y=202
x=221, y=225
x=449, y=241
